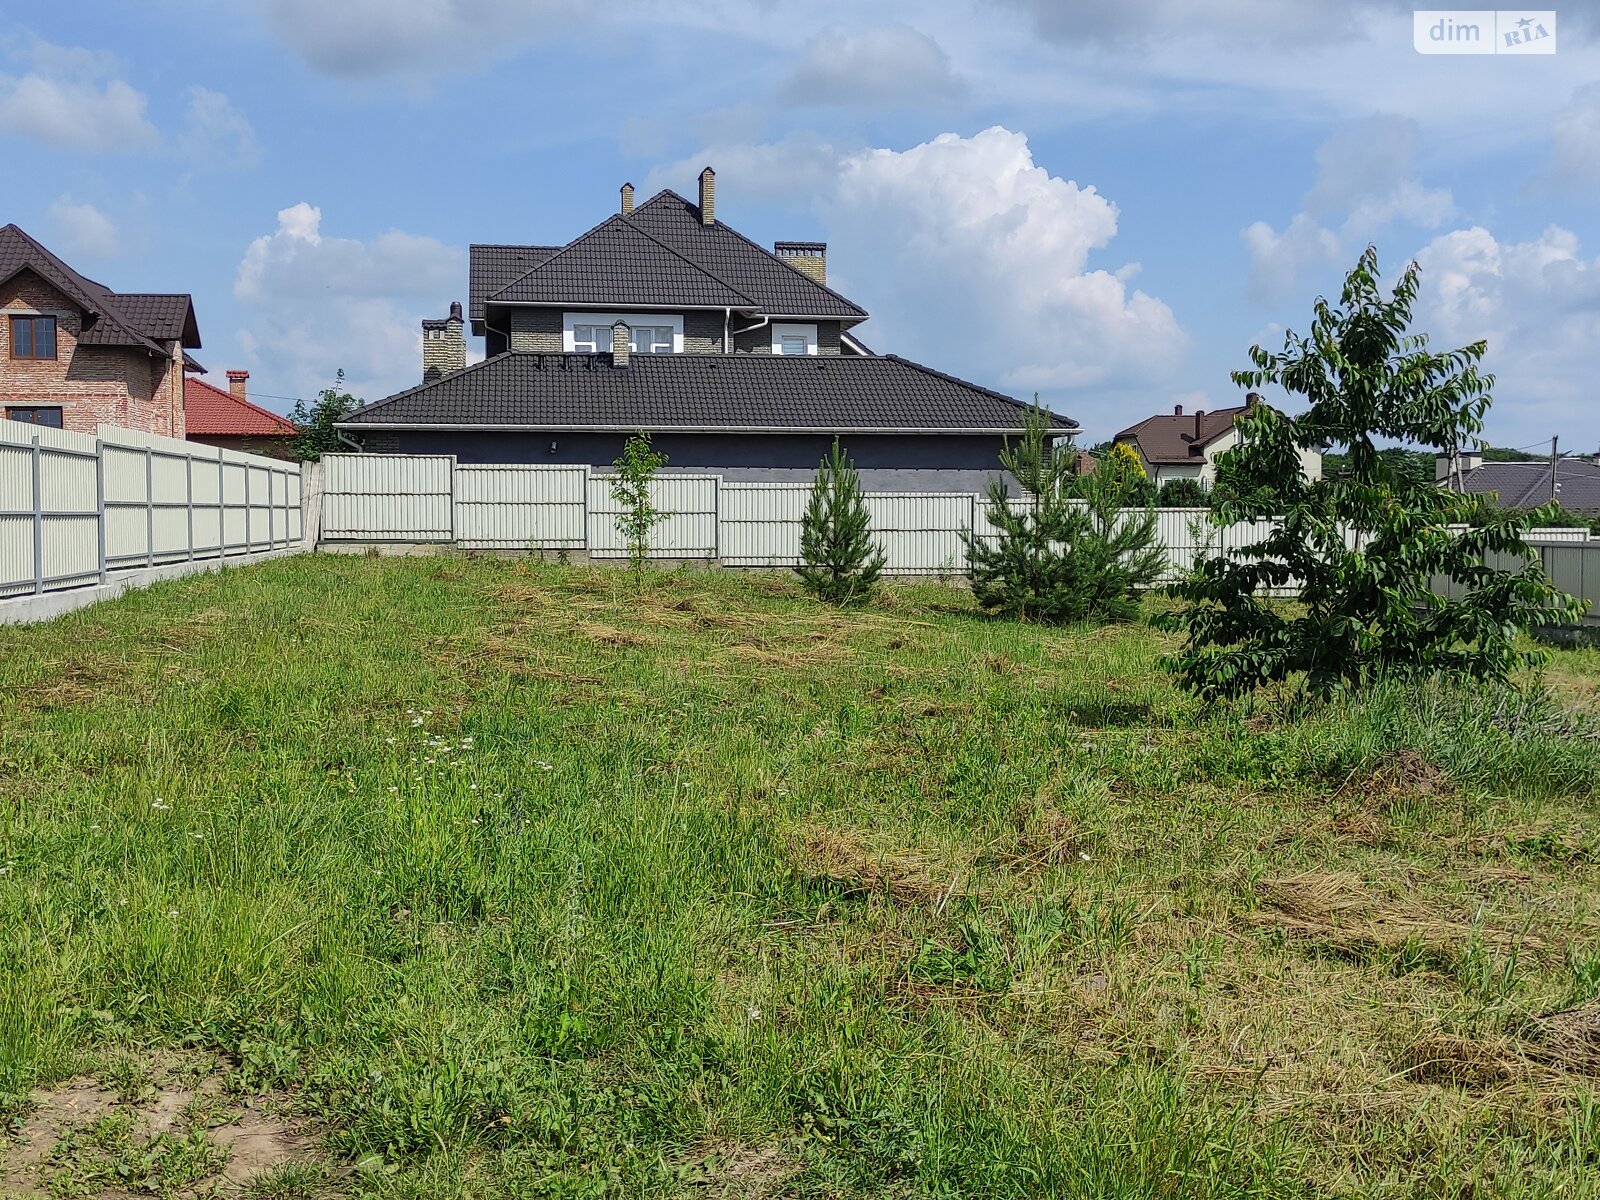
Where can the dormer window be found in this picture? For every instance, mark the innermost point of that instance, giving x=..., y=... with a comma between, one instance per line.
x=654, y=333
x=794, y=339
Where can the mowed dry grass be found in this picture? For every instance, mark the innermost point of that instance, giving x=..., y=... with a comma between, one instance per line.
x=529, y=882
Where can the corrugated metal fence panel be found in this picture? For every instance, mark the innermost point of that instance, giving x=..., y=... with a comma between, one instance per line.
x=920, y=532
x=504, y=506
x=162, y=501
x=689, y=531
x=388, y=497
x=761, y=523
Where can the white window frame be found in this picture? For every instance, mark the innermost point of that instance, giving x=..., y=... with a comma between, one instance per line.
x=570, y=321
x=780, y=331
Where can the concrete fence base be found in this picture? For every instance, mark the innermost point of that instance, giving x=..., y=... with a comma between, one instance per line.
x=26, y=610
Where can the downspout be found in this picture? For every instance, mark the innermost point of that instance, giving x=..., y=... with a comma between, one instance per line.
x=349, y=441
x=727, y=319
x=761, y=324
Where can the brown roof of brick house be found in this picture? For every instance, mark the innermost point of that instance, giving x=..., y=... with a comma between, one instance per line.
x=1179, y=437
x=138, y=319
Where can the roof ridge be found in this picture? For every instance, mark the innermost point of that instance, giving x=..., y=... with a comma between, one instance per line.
x=241, y=400
x=757, y=245
x=665, y=192
x=72, y=282
x=624, y=223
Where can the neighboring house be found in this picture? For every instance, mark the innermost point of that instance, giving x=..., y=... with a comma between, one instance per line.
x=735, y=359
x=1573, y=481
x=1187, y=446
x=74, y=354
x=227, y=418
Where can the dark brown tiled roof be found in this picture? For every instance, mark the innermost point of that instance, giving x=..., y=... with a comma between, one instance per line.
x=660, y=254
x=615, y=265
x=492, y=267
x=118, y=319
x=1175, y=438
x=738, y=392
x=776, y=287
x=167, y=315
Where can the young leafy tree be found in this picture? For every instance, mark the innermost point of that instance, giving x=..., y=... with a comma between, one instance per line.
x=1070, y=551
x=315, y=421
x=840, y=562
x=1364, y=547
x=630, y=488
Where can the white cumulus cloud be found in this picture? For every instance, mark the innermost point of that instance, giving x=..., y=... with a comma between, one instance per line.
x=215, y=133
x=85, y=232
x=1537, y=303
x=318, y=303
x=76, y=114
x=975, y=253
x=1366, y=182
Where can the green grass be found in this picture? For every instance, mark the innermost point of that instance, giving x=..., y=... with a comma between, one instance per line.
x=522, y=883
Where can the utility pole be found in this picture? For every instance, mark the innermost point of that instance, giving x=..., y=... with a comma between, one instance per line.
x=1555, y=486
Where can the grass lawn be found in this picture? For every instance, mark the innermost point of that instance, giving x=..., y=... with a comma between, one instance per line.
x=478, y=878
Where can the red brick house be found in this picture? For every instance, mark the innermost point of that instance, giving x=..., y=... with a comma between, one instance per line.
x=74, y=354
x=227, y=418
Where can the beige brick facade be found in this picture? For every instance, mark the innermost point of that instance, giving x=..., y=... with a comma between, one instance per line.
x=116, y=385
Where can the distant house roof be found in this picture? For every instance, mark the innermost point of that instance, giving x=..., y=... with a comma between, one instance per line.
x=618, y=264
x=1527, y=484
x=137, y=319
x=213, y=412
x=1179, y=437
x=660, y=254
x=492, y=267
x=737, y=393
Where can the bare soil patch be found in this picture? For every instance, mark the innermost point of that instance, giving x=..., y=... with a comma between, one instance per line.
x=158, y=1125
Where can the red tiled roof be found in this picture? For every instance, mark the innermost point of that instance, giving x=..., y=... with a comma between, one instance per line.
x=212, y=412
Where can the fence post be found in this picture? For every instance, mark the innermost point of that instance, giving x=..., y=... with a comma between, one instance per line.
x=452, y=499
x=248, y=540
x=100, y=505
x=188, y=478
x=149, y=508
x=38, y=516
x=272, y=525
x=222, y=507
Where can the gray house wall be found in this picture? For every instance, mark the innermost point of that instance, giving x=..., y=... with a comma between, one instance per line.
x=916, y=462
x=538, y=331
x=759, y=341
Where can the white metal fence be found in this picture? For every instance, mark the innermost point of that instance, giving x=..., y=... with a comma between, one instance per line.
x=432, y=498
x=74, y=509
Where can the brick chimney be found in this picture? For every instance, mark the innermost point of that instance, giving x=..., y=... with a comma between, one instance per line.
x=627, y=199
x=1199, y=415
x=236, y=382
x=444, y=344
x=1177, y=410
x=621, y=343
x=809, y=258
x=708, y=197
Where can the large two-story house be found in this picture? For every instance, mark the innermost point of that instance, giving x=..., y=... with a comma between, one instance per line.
x=74, y=354
x=734, y=358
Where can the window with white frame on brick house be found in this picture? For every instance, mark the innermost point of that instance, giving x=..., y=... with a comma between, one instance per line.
x=33, y=337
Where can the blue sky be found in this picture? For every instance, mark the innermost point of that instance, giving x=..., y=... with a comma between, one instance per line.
x=1107, y=204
